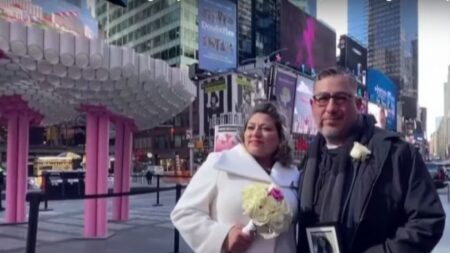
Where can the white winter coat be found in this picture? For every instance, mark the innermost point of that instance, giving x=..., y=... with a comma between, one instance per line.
x=211, y=204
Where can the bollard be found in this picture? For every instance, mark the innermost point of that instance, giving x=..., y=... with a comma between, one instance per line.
x=33, y=217
x=46, y=182
x=176, y=243
x=157, y=191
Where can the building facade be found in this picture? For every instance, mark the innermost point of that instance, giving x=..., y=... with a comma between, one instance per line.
x=447, y=95
x=357, y=21
x=257, y=27
x=441, y=141
x=166, y=29
x=308, y=6
x=392, y=48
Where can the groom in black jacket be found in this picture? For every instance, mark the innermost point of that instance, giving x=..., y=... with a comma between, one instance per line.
x=367, y=181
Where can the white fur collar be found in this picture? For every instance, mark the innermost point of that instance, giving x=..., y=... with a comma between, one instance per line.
x=238, y=161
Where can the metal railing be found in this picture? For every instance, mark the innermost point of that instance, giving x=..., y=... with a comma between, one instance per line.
x=35, y=198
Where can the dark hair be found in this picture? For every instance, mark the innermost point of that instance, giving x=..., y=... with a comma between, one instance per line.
x=337, y=71
x=283, y=153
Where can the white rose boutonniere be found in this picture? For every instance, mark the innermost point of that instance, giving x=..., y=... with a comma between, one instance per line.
x=359, y=152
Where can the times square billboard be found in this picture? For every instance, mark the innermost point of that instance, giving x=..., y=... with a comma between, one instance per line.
x=383, y=94
x=217, y=35
x=307, y=44
x=71, y=16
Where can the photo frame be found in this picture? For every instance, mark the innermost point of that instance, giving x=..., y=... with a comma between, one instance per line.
x=323, y=239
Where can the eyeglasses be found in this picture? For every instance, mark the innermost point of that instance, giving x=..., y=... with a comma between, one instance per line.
x=339, y=98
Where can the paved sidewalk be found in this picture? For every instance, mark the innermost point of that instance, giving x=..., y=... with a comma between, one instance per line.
x=149, y=229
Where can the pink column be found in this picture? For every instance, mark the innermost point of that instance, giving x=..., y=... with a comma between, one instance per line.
x=11, y=163
x=22, y=167
x=127, y=148
x=102, y=175
x=90, y=210
x=118, y=157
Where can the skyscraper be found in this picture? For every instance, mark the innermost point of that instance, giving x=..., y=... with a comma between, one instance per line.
x=392, y=47
x=447, y=95
x=258, y=26
x=308, y=6
x=166, y=29
x=357, y=21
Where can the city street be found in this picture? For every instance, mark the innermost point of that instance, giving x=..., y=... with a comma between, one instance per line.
x=148, y=230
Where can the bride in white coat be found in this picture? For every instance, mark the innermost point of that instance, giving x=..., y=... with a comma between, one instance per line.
x=209, y=215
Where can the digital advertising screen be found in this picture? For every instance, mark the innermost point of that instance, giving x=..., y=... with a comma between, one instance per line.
x=380, y=114
x=284, y=85
x=217, y=35
x=303, y=122
x=307, y=43
x=72, y=16
x=383, y=93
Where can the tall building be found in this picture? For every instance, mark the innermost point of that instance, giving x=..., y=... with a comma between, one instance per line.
x=392, y=47
x=357, y=21
x=258, y=23
x=308, y=6
x=447, y=95
x=166, y=29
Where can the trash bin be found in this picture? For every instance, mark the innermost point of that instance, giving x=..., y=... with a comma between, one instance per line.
x=72, y=184
x=53, y=185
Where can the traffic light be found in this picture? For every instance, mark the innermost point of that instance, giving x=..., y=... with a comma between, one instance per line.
x=122, y=3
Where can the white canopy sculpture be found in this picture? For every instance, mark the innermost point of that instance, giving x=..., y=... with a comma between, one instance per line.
x=56, y=73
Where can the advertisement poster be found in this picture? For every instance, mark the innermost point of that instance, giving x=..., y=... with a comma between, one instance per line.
x=225, y=137
x=217, y=35
x=245, y=94
x=71, y=16
x=213, y=102
x=285, y=83
x=383, y=93
x=309, y=44
x=380, y=114
x=303, y=122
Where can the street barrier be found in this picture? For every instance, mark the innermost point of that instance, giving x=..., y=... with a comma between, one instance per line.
x=36, y=197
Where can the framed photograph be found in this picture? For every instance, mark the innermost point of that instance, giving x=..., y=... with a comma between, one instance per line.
x=323, y=239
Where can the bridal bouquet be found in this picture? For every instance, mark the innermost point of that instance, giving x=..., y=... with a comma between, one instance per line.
x=268, y=210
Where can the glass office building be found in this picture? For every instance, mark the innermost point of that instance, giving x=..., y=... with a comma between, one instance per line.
x=166, y=29
x=357, y=21
x=257, y=28
x=393, y=45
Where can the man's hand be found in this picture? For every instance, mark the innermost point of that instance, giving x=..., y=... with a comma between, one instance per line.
x=237, y=241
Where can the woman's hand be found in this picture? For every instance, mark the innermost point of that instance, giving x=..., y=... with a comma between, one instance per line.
x=237, y=241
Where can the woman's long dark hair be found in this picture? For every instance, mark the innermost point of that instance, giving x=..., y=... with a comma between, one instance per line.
x=283, y=153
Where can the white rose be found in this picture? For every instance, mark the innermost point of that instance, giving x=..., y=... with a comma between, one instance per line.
x=359, y=152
